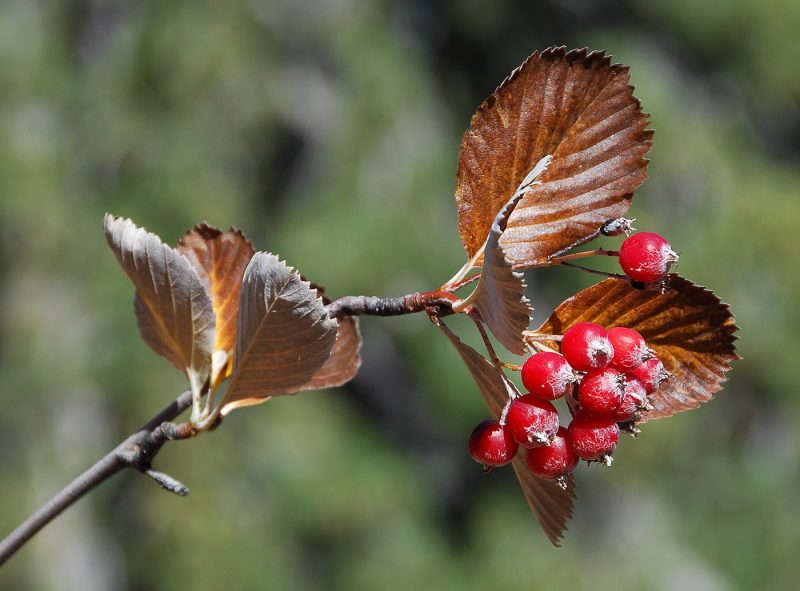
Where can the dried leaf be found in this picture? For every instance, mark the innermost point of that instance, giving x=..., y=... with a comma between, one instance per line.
x=220, y=259
x=344, y=361
x=551, y=505
x=689, y=327
x=174, y=312
x=284, y=334
x=153, y=333
x=576, y=106
x=500, y=294
x=490, y=382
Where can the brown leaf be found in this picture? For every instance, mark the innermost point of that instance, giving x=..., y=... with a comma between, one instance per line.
x=576, y=106
x=174, y=313
x=344, y=361
x=490, y=381
x=500, y=293
x=551, y=505
x=343, y=364
x=220, y=259
x=689, y=327
x=284, y=334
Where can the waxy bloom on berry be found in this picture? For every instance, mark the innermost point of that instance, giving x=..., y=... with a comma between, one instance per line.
x=634, y=401
x=547, y=375
x=651, y=373
x=601, y=391
x=630, y=348
x=532, y=422
x=594, y=437
x=552, y=461
x=585, y=345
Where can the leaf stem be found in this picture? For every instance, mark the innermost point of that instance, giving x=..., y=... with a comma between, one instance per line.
x=499, y=365
x=137, y=451
x=208, y=422
x=596, y=272
x=584, y=255
x=475, y=316
x=459, y=284
x=542, y=347
x=464, y=271
x=532, y=335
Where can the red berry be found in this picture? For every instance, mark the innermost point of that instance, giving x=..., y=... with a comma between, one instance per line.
x=630, y=349
x=651, y=373
x=547, y=375
x=491, y=445
x=601, y=391
x=627, y=411
x=532, y=422
x=646, y=257
x=554, y=460
x=585, y=345
x=593, y=437
x=634, y=401
x=635, y=387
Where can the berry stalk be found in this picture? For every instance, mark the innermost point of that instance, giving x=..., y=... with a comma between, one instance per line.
x=584, y=255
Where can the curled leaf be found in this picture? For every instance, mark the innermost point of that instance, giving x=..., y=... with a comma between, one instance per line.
x=490, y=381
x=345, y=359
x=220, y=259
x=580, y=108
x=284, y=334
x=551, y=505
x=174, y=312
x=500, y=293
x=692, y=331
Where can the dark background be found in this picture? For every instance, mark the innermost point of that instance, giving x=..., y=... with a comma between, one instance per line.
x=329, y=132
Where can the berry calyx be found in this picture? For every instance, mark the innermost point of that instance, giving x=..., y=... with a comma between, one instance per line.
x=630, y=348
x=593, y=437
x=531, y=421
x=651, y=373
x=491, y=445
x=601, y=391
x=646, y=257
x=554, y=461
x=586, y=347
x=547, y=375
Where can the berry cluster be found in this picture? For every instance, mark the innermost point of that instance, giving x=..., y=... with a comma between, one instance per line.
x=605, y=377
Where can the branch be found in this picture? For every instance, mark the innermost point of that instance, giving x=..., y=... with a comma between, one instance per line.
x=137, y=451
x=437, y=302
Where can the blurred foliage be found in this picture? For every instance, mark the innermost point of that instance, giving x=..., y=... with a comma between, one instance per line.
x=329, y=132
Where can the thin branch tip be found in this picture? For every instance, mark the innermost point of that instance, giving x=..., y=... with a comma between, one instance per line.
x=167, y=482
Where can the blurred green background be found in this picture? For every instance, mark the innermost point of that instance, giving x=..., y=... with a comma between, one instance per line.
x=329, y=132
